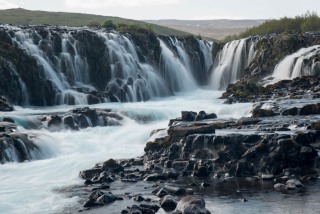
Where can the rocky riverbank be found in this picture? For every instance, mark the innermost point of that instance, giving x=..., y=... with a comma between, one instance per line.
x=198, y=153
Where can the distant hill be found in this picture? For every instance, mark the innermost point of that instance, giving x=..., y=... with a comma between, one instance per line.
x=21, y=16
x=216, y=29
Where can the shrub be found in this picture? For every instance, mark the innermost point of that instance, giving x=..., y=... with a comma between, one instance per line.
x=310, y=21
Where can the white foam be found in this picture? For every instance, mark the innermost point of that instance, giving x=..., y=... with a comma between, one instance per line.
x=29, y=187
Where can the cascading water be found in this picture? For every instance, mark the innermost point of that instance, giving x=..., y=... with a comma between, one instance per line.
x=206, y=49
x=175, y=72
x=131, y=79
x=76, y=64
x=65, y=153
x=26, y=42
x=231, y=62
x=84, y=66
x=304, y=62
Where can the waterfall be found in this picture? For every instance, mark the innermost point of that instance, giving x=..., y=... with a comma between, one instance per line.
x=175, y=70
x=75, y=66
x=24, y=90
x=85, y=66
x=26, y=42
x=131, y=80
x=231, y=62
x=206, y=49
x=18, y=150
x=304, y=62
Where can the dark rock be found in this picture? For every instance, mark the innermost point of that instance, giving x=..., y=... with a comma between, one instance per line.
x=257, y=112
x=70, y=123
x=307, y=155
x=106, y=198
x=202, y=171
x=171, y=173
x=211, y=116
x=204, y=184
x=316, y=125
x=55, y=120
x=201, y=116
x=161, y=192
x=310, y=109
x=91, y=114
x=155, y=177
x=138, y=198
x=192, y=204
x=15, y=146
x=179, y=131
x=168, y=203
x=292, y=111
x=188, y=115
x=244, y=169
x=4, y=105
x=112, y=166
x=304, y=138
x=8, y=119
x=248, y=121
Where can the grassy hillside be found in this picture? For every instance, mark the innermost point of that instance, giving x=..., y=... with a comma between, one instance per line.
x=304, y=23
x=27, y=17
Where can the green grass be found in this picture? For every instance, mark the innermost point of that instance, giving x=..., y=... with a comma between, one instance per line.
x=304, y=23
x=27, y=17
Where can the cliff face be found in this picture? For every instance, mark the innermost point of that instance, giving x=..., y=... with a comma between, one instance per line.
x=278, y=59
x=271, y=49
x=44, y=65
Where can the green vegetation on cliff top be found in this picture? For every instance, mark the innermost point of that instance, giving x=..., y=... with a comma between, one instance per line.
x=304, y=23
x=27, y=17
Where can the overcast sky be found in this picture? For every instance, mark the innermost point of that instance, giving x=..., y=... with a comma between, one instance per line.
x=174, y=9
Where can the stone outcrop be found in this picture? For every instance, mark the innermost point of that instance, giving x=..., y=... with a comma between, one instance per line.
x=81, y=118
x=252, y=91
x=4, y=105
x=271, y=49
x=190, y=147
x=16, y=146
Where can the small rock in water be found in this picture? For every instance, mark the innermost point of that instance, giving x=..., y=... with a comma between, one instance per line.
x=192, y=204
x=138, y=198
x=188, y=115
x=204, y=184
x=168, y=203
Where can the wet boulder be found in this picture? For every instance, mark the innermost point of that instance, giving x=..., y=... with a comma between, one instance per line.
x=69, y=122
x=88, y=113
x=4, y=105
x=168, y=203
x=17, y=147
x=310, y=109
x=182, y=131
x=112, y=166
x=90, y=173
x=54, y=121
x=188, y=115
x=191, y=204
x=141, y=209
x=258, y=112
x=291, y=111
